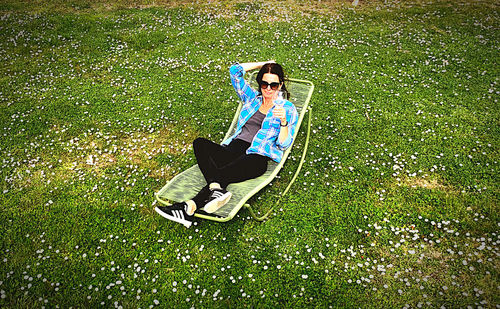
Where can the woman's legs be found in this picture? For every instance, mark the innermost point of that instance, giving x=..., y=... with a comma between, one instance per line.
x=200, y=198
x=230, y=164
x=211, y=156
x=244, y=167
x=222, y=165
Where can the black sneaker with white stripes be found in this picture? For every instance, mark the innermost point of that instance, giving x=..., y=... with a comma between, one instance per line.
x=177, y=213
x=217, y=199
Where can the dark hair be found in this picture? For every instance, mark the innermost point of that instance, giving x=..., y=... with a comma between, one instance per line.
x=273, y=68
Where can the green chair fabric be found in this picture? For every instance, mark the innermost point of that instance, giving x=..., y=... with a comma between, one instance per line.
x=186, y=185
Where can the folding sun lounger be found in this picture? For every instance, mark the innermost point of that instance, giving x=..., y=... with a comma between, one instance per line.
x=186, y=184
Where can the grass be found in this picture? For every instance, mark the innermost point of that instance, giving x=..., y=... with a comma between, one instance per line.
x=396, y=205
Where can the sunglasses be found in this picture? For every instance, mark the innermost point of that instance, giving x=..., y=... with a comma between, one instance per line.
x=264, y=85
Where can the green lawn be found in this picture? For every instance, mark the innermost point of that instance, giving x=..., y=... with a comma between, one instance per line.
x=396, y=204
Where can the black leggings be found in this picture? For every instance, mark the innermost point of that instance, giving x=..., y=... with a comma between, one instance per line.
x=228, y=164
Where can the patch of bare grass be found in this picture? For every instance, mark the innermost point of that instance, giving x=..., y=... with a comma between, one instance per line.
x=430, y=183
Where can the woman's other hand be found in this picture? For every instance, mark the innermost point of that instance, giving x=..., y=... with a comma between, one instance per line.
x=280, y=113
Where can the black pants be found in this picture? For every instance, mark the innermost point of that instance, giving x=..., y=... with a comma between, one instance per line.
x=228, y=164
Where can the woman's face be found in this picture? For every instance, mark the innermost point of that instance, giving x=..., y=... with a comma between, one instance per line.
x=269, y=78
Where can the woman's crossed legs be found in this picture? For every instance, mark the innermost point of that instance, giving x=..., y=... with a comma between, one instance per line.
x=220, y=165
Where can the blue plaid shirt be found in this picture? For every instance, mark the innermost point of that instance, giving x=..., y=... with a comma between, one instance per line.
x=266, y=140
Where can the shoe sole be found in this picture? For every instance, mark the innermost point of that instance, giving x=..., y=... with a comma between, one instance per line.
x=186, y=223
x=217, y=203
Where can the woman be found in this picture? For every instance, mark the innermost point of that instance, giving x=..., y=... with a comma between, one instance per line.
x=264, y=130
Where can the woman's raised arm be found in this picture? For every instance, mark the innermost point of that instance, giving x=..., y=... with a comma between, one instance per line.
x=254, y=65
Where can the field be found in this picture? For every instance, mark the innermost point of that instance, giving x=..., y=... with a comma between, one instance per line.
x=396, y=204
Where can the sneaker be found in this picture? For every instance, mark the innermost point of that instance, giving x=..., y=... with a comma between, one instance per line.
x=177, y=213
x=217, y=199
